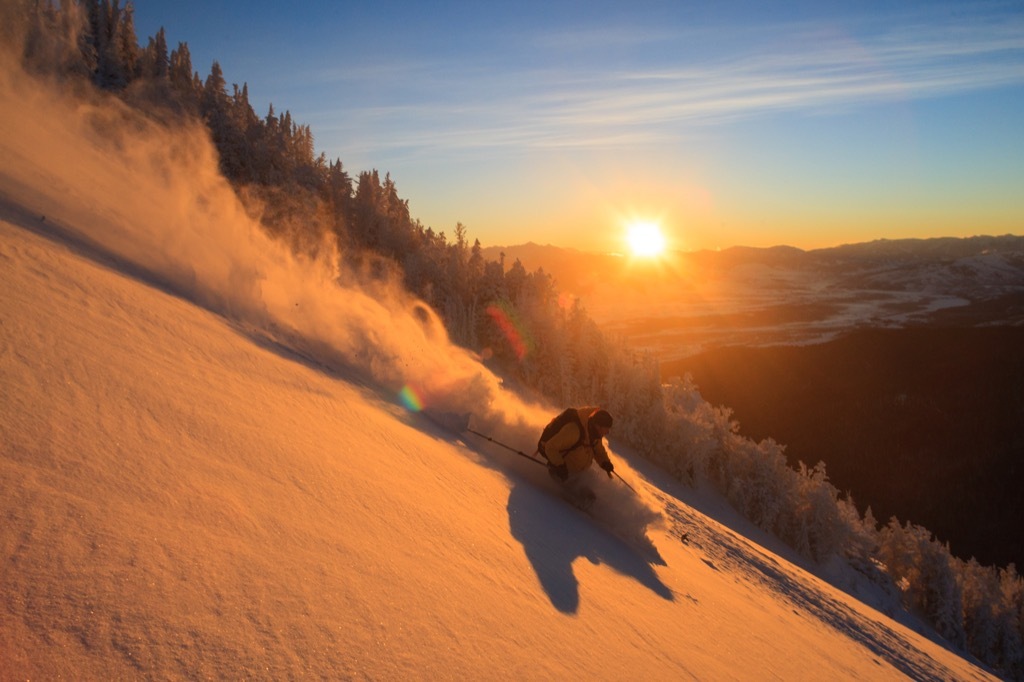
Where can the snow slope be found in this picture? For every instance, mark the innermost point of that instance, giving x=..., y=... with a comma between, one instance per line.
x=206, y=470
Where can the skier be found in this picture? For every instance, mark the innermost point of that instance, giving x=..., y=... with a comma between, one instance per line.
x=572, y=440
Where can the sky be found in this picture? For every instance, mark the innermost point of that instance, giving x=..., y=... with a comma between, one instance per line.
x=810, y=124
x=207, y=474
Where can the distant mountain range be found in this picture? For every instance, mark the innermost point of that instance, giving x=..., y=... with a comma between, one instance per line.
x=968, y=263
x=686, y=302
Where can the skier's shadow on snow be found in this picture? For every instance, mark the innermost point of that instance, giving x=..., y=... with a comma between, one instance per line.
x=552, y=545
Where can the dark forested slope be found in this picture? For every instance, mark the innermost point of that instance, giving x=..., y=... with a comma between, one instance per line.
x=926, y=424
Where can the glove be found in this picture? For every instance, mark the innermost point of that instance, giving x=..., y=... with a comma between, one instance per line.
x=607, y=466
x=559, y=471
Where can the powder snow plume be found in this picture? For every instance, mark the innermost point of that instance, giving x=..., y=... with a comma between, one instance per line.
x=150, y=198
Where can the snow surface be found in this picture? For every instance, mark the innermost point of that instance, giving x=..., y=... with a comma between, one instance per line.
x=206, y=470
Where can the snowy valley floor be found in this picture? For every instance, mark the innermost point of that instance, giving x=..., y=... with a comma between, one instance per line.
x=182, y=498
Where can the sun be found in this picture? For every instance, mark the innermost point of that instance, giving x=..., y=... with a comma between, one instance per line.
x=645, y=239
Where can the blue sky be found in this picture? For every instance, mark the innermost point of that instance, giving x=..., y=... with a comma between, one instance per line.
x=809, y=124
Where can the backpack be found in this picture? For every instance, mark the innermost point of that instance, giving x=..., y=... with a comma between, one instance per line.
x=570, y=415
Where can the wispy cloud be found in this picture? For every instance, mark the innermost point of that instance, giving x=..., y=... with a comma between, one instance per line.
x=449, y=104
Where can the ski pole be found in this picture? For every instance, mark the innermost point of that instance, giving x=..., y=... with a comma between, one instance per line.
x=508, y=447
x=537, y=461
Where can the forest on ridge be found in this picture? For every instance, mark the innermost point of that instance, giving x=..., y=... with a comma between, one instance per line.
x=542, y=343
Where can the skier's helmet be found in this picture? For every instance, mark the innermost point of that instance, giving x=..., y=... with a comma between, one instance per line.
x=601, y=418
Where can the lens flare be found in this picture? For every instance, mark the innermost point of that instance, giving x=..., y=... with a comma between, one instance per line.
x=411, y=399
x=512, y=331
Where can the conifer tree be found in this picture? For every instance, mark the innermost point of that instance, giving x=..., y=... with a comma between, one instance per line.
x=111, y=69
x=156, y=62
x=128, y=53
x=180, y=73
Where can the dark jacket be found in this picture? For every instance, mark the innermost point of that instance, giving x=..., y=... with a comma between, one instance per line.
x=572, y=440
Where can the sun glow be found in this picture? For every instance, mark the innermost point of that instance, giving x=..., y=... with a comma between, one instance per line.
x=645, y=239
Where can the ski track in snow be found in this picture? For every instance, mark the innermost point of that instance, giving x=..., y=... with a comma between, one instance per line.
x=725, y=550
